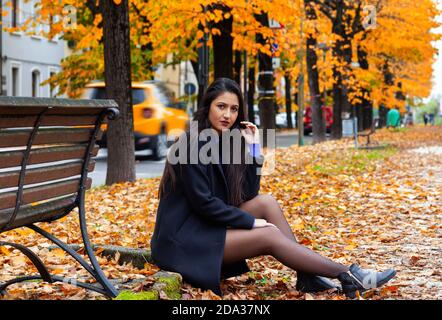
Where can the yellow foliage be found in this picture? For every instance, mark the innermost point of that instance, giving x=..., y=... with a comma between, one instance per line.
x=402, y=38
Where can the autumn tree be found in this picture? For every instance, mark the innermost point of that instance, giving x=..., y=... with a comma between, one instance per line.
x=222, y=42
x=120, y=136
x=318, y=121
x=399, y=52
x=167, y=32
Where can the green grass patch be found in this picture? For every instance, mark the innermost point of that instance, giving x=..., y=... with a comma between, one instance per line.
x=351, y=161
x=144, y=295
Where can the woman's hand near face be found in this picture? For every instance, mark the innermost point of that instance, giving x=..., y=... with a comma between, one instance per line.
x=250, y=133
x=262, y=223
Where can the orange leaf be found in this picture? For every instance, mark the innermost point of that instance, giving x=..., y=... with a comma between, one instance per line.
x=5, y=251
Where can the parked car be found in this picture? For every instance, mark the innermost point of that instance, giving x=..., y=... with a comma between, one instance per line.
x=328, y=113
x=281, y=119
x=157, y=116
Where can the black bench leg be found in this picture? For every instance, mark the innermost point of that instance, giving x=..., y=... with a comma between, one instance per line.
x=99, y=275
x=44, y=273
x=94, y=270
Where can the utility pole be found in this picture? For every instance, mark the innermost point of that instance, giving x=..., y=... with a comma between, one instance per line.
x=301, y=86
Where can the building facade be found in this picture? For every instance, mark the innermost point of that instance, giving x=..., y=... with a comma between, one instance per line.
x=176, y=77
x=27, y=60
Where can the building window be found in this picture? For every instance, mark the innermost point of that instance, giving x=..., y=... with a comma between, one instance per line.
x=33, y=16
x=15, y=13
x=15, y=81
x=35, y=83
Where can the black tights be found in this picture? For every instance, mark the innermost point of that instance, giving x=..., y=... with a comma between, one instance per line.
x=277, y=242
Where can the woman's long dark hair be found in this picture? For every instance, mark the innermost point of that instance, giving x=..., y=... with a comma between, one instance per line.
x=235, y=172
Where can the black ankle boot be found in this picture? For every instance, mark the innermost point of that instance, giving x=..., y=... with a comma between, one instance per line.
x=310, y=283
x=358, y=279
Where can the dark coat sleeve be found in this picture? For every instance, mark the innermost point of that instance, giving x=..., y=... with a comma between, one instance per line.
x=197, y=191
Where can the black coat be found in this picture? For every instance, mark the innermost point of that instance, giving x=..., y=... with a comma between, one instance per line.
x=191, y=224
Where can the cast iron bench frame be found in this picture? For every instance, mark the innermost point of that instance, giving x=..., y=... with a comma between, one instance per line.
x=47, y=123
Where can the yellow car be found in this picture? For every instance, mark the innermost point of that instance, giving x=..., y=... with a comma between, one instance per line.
x=157, y=116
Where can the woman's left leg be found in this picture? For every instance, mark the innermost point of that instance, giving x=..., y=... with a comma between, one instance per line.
x=264, y=206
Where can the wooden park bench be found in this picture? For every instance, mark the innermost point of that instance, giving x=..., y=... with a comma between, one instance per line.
x=46, y=150
x=367, y=134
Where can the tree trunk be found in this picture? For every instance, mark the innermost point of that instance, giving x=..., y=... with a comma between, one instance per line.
x=223, y=46
x=251, y=94
x=237, y=67
x=120, y=137
x=318, y=120
x=383, y=110
x=266, y=103
x=295, y=100
x=288, y=100
x=365, y=108
x=389, y=81
x=342, y=51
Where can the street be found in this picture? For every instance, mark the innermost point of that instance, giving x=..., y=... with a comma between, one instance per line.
x=148, y=168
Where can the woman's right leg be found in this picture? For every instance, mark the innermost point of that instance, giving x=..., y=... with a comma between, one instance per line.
x=244, y=244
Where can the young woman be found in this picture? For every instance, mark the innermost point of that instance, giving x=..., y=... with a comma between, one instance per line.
x=211, y=218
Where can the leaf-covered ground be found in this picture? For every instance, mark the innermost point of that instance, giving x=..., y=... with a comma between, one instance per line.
x=380, y=208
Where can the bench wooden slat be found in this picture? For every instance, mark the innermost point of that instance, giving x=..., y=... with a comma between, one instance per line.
x=16, y=121
x=29, y=214
x=40, y=193
x=37, y=175
x=43, y=155
x=27, y=111
x=55, y=103
x=17, y=138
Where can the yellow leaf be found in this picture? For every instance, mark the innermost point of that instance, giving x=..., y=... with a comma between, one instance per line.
x=58, y=253
x=23, y=231
x=57, y=271
x=298, y=226
x=199, y=34
x=117, y=2
x=216, y=31
x=5, y=251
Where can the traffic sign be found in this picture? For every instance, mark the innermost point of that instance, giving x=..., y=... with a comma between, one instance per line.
x=276, y=63
x=189, y=88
